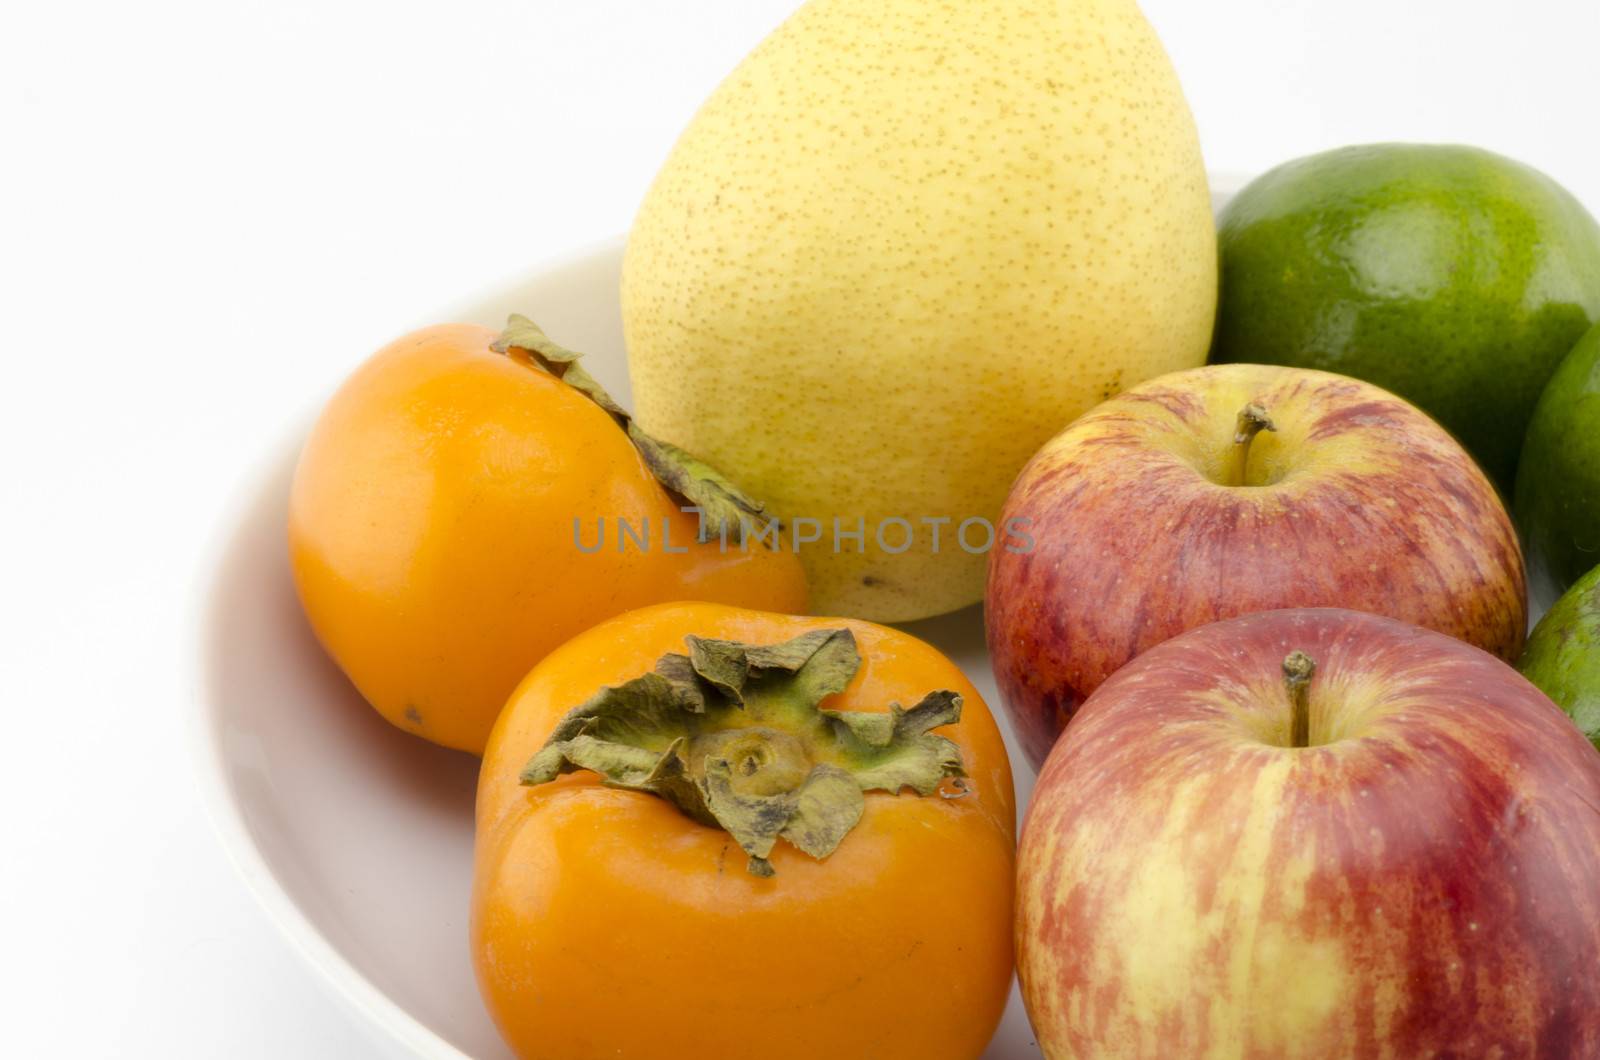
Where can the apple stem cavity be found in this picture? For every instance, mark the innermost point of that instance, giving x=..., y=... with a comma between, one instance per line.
x=1253, y=419
x=1298, y=668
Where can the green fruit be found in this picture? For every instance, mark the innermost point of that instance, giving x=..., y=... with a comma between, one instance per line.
x=1451, y=276
x=1558, y=481
x=1563, y=654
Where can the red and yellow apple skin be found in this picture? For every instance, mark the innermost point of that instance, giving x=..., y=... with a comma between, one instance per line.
x=1420, y=880
x=1356, y=499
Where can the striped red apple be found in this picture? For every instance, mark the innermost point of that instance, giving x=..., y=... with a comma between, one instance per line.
x=1234, y=488
x=1414, y=872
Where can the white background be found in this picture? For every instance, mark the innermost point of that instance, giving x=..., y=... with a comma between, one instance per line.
x=209, y=211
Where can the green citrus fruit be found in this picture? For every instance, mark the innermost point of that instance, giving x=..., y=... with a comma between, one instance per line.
x=1558, y=481
x=1563, y=655
x=1451, y=276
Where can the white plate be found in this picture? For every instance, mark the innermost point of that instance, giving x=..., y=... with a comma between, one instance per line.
x=356, y=837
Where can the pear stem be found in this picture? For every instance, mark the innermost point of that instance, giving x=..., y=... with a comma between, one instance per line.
x=1297, y=671
x=1253, y=419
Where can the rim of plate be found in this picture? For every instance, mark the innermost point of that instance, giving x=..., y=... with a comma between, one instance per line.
x=379, y=1013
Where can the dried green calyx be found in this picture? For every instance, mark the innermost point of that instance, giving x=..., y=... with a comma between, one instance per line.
x=734, y=736
x=722, y=505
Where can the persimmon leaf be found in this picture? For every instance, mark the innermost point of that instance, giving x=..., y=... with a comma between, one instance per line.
x=723, y=506
x=734, y=736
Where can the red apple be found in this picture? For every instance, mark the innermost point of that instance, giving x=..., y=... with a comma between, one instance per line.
x=1419, y=878
x=1234, y=488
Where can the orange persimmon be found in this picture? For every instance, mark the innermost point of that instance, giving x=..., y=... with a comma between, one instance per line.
x=642, y=883
x=444, y=516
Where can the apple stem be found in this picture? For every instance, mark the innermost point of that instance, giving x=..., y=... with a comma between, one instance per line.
x=1253, y=419
x=1297, y=671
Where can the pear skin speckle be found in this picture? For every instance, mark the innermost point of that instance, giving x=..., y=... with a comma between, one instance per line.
x=903, y=245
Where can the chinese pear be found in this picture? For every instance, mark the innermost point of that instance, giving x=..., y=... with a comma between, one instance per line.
x=904, y=244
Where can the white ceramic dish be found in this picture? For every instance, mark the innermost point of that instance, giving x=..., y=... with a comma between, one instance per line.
x=355, y=837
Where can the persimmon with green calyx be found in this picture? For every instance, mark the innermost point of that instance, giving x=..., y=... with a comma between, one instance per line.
x=734, y=736
x=710, y=831
x=445, y=514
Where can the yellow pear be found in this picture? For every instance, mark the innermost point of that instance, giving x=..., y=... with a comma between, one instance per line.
x=903, y=245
